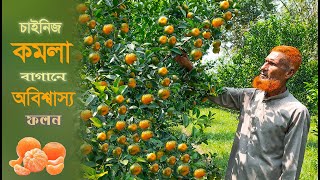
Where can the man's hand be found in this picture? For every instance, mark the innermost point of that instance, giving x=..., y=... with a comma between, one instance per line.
x=183, y=60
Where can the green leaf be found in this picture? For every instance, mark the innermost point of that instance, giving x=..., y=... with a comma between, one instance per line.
x=96, y=122
x=140, y=159
x=122, y=89
x=90, y=164
x=87, y=170
x=124, y=162
x=101, y=174
x=176, y=50
x=185, y=120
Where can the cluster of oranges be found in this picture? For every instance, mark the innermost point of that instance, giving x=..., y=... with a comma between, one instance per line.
x=50, y=157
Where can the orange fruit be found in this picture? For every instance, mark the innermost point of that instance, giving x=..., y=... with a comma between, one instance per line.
x=135, y=137
x=108, y=43
x=55, y=169
x=132, y=74
x=182, y=147
x=199, y=173
x=101, y=136
x=183, y=170
x=227, y=16
x=146, y=98
x=146, y=135
x=135, y=169
x=120, y=125
x=86, y=149
x=162, y=21
x=122, y=110
x=166, y=82
x=217, y=22
x=172, y=160
x=190, y=15
x=14, y=162
x=224, y=5
x=104, y=147
x=154, y=168
x=169, y=29
x=195, y=32
x=206, y=35
x=216, y=43
x=205, y=99
x=107, y=29
x=163, y=71
x=196, y=54
x=170, y=145
x=35, y=160
x=117, y=151
x=122, y=139
x=133, y=127
x=144, y=124
x=85, y=115
x=56, y=162
x=133, y=149
x=94, y=58
x=132, y=83
x=198, y=43
x=54, y=150
x=160, y=154
x=124, y=28
x=163, y=39
x=20, y=170
x=151, y=157
x=84, y=18
x=26, y=144
x=130, y=58
x=172, y=40
x=119, y=99
x=88, y=40
x=92, y=24
x=206, y=24
x=102, y=109
x=185, y=158
x=81, y=8
x=164, y=93
x=96, y=46
x=167, y=171
x=122, y=7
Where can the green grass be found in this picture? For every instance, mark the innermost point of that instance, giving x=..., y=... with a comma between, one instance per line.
x=221, y=134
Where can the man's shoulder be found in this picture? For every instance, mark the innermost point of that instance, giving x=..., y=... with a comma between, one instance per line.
x=295, y=103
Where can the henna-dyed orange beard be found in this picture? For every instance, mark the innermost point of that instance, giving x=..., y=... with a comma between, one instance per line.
x=267, y=85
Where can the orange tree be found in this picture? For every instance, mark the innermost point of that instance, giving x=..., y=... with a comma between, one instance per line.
x=134, y=92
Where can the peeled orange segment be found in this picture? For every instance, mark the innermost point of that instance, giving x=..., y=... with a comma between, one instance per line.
x=55, y=169
x=57, y=161
x=14, y=162
x=54, y=150
x=21, y=171
x=35, y=160
x=26, y=144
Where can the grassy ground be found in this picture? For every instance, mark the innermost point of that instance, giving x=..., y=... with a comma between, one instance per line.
x=222, y=132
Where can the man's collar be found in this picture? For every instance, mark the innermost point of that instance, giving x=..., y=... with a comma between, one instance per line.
x=279, y=96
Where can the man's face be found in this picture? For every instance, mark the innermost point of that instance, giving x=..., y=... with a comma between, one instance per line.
x=273, y=73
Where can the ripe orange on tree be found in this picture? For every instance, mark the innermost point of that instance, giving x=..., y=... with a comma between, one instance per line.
x=182, y=147
x=86, y=115
x=185, y=158
x=104, y=147
x=130, y=58
x=172, y=40
x=88, y=40
x=133, y=149
x=94, y=58
x=108, y=43
x=132, y=83
x=117, y=151
x=120, y=125
x=96, y=46
x=217, y=22
x=164, y=93
x=169, y=29
x=206, y=24
x=146, y=135
x=166, y=82
x=122, y=139
x=151, y=157
x=196, y=54
x=154, y=168
x=227, y=15
x=144, y=124
x=102, y=136
x=132, y=127
x=108, y=28
x=84, y=18
x=163, y=71
x=224, y=5
x=170, y=145
x=199, y=173
x=167, y=171
x=162, y=21
x=136, y=137
x=124, y=28
x=183, y=170
x=172, y=160
x=135, y=169
x=102, y=109
x=86, y=149
x=206, y=34
x=190, y=15
x=197, y=43
x=81, y=8
x=92, y=24
x=163, y=39
x=195, y=32
x=146, y=98
x=119, y=99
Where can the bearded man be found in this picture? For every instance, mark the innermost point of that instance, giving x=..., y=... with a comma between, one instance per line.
x=273, y=125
